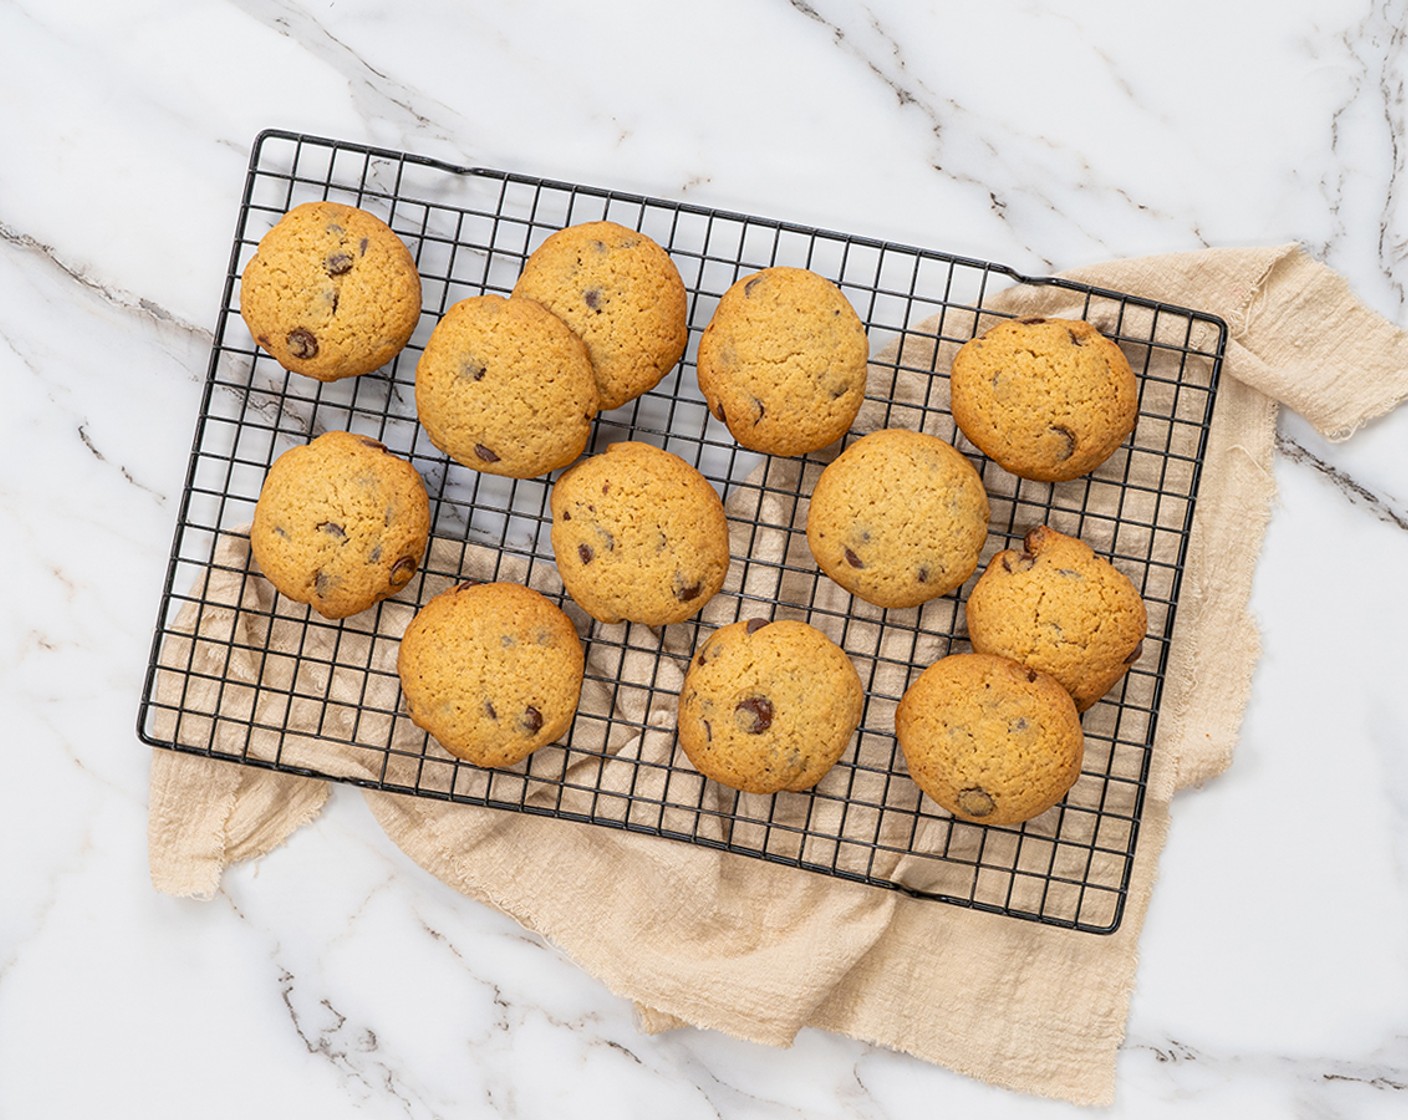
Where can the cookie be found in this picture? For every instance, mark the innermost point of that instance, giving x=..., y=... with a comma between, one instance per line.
x=622, y=294
x=1047, y=399
x=639, y=535
x=783, y=361
x=898, y=518
x=492, y=671
x=990, y=740
x=340, y=524
x=505, y=387
x=768, y=706
x=331, y=292
x=1057, y=607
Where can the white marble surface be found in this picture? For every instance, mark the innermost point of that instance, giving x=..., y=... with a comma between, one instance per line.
x=1274, y=971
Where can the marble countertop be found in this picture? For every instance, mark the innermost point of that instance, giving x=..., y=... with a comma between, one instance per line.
x=1274, y=966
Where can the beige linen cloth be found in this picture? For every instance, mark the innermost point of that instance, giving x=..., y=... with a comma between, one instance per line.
x=698, y=937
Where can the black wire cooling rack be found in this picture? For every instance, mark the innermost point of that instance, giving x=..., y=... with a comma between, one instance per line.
x=238, y=673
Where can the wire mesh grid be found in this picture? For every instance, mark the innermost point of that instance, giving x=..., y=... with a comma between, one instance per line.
x=240, y=673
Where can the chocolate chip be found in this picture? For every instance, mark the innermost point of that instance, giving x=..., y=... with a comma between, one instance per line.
x=1069, y=447
x=753, y=283
x=281, y=531
x=754, y=715
x=584, y=550
x=1017, y=561
x=922, y=575
x=374, y=556
x=1076, y=339
x=607, y=538
x=592, y=296
x=532, y=720
x=466, y=584
x=472, y=370
x=606, y=487
x=1032, y=539
x=485, y=454
x=333, y=299
x=837, y=390
x=322, y=583
x=719, y=412
x=853, y=560
x=1031, y=675
x=363, y=247
x=339, y=264
x=375, y=444
x=508, y=641
x=685, y=592
x=489, y=709
x=264, y=341
x=762, y=410
x=403, y=570
x=302, y=343
x=756, y=624
x=335, y=229
x=1138, y=651
x=567, y=515
x=708, y=731
x=332, y=529
x=975, y=801
x=1032, y=321
x=1018, y=724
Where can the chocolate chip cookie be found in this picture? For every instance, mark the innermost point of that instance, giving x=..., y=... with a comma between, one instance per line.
x=505, y=387
x=639, y=535
x=768, y=706
x=622, y=294
x=1047, y=399
x=1055, y=606
x=492, y=671
x=783, y=361
x=990, y=740
x=340, y=524
x=898, y=518
x=331, y=292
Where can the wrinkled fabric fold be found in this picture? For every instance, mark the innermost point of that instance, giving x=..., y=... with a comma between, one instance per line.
x=694, y=936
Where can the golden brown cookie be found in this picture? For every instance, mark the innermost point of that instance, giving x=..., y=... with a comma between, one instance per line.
x=622, y=294
x=1047, y=399
x=988, y=739
x=506, y=388
x=639, y=535
x=331, y=292
x=768, y=706
x=492, y=670
x=783, y=361
x=898, y=518
x=340, y=524
x=1056, y=606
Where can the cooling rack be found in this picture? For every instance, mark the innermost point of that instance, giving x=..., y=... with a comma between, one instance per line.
x=238, y=673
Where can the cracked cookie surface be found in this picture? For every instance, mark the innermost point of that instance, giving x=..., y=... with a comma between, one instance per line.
x=898, y=518
x=990, y=740
x=783, y=361
x=639, y=535
x=331, y=292
x=506, y=388
x=340, y=524
x=622, y=295
x=768, y=706
x=1056, y=606
x=492, y=671
x=1047, y=399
